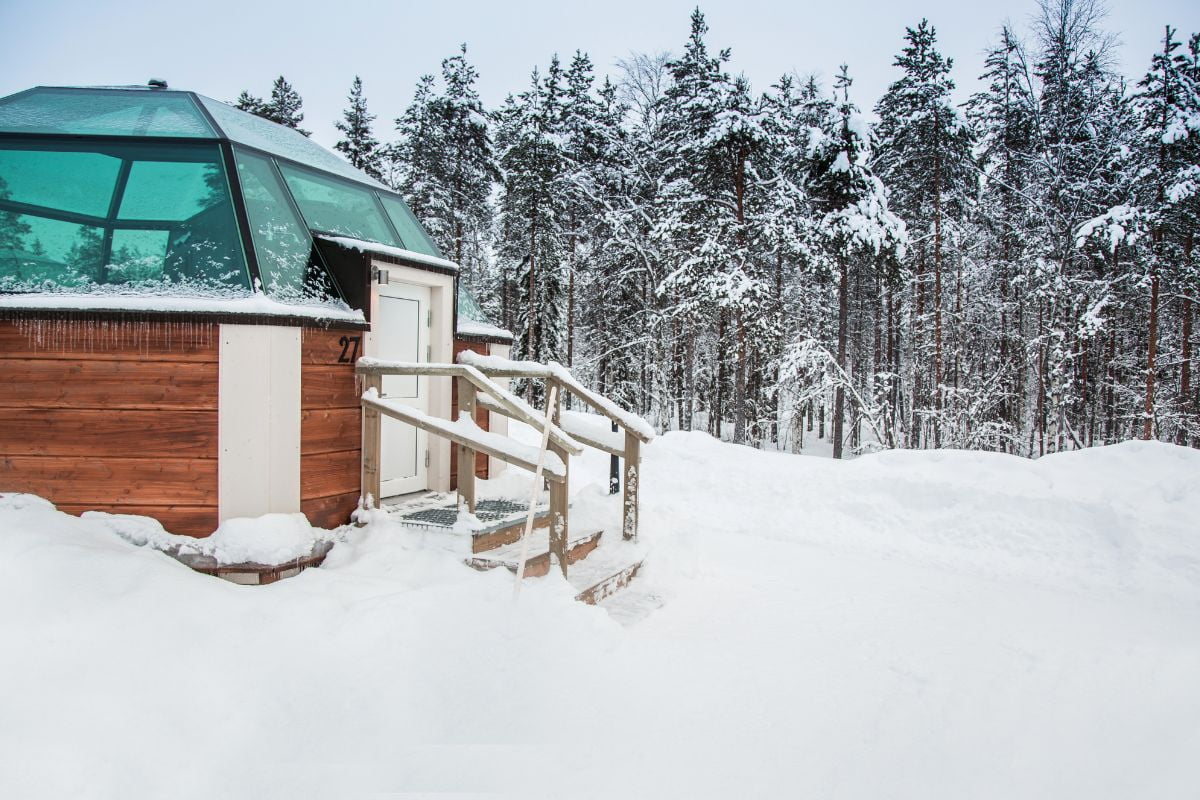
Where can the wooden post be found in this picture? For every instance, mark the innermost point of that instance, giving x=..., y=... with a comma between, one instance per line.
x=371, y=445
x=559, y=494
x=633, y=465
x=466, y=456
x=614, y=468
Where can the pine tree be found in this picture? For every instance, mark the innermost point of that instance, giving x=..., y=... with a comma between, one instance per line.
x=926, y=160
x=359, y=146
x=1169, y=123
x=447, y=167
x=859, y=233
x=531, y=211
x=1004, y=115
x=282, y=107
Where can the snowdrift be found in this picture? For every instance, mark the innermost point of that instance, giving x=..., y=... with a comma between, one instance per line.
x=909, y=624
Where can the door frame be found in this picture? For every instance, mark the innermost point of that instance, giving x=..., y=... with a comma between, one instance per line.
x=422, y=456
x=442, y=301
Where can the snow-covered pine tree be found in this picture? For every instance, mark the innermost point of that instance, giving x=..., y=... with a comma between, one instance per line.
x=1168, y=117
x=444, y=165
x=531, y=243
x=358, y=144
x=716, y=137
x=583, y=145
x=1074, y=133
x=859, y=235
x=1003, y=115
x=925, y=158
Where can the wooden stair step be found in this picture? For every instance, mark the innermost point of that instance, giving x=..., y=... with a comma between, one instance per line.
x=610, y=585
x=482, y=541
x=537, y=564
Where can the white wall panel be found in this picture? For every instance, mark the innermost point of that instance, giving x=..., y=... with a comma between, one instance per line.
x=258, y=421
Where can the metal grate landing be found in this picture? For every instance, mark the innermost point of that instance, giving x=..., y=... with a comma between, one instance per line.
x=489, y=512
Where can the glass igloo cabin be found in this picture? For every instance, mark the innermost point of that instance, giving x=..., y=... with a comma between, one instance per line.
x=184, y=290
x=155, y=191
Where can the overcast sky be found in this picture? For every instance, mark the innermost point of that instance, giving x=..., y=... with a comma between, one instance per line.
x=219, y=47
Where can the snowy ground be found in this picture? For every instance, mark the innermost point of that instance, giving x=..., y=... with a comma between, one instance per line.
x=925, y=625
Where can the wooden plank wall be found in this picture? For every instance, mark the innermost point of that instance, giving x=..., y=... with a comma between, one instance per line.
x=330, y=425
x=112, y=416
x=481, y=417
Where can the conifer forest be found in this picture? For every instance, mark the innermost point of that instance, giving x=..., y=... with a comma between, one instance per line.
x=1004, y=261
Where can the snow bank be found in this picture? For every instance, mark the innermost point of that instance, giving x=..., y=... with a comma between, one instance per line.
x=908, y=624
x=271, y=539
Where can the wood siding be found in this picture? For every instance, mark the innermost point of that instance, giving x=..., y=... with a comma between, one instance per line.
x=112, y=416
x=330, y=425
x=481, y=417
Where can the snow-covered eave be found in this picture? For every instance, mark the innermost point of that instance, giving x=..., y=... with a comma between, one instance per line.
x=388, y=250
x=258, y=305
x=472, y=329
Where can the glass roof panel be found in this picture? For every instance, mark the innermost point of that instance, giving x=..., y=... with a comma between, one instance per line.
x=411, y=232
x=335, y=206
x=104, y=112
x=468, y=306
x=79, y=182
x=244, y=128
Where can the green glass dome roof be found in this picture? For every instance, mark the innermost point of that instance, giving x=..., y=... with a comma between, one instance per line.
x=150, y=112
x=105, y=112
x=146, y=187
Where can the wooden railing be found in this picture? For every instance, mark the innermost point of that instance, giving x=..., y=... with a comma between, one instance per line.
x=636, y=432
x=477, y=389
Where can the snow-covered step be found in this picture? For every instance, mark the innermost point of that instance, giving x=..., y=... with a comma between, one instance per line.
x=606, y=573
x=502, y=535
x=537, y=561
x=503, y=520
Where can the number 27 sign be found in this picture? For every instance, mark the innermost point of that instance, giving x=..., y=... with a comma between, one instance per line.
x=350, y=346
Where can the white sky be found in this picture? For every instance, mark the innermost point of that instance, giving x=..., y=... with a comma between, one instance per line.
x=219, y=47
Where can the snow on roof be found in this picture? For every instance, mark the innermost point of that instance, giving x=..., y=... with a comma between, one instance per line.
x=390, y=250
x=471, y=327
x=248, y=129
x=224, y=303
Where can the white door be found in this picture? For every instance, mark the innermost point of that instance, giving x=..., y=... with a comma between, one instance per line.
x=403, y=335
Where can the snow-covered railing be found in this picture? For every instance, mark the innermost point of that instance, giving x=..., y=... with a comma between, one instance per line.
x=464, y=432
x=473, y=387
x=627, y=447
x=496, y=367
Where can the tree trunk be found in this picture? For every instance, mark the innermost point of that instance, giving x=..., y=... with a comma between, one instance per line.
x=937, y=301
x=1185, y=369
x=531, y=342
x=1151, y=354
x=719, y=408
x=1110, y=392
x=839, y=396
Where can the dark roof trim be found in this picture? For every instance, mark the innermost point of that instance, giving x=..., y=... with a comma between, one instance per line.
x=482, y=338
x=408, y=262
x=379, y=255
x=214, y=317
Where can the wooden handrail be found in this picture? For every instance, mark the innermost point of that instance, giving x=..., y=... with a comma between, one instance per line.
x=512, y=405
x=553, y=472
x=566, y=383
x=490, y=405
x=476, y=385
